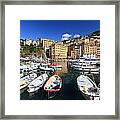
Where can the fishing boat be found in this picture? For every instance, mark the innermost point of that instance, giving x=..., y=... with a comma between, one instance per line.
x=88, y=88
x=57, y=67
x=53, y=85
x=37, y=83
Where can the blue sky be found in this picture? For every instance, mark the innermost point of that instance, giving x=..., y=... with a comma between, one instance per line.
x=54, y=29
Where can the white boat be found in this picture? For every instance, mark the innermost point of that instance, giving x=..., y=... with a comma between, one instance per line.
x=24, y=81
x=37, y=83
x=24, y=59
x=46, y=67
x=29, y=77
x=89, y=60
x=87, y=68
x=24, y=70
x=34, y=65
x=88, y=88
x=32, y=76
x=23, y=85
x=21, y=74
x=53, y=85
x=56, y=67
x=85, y=61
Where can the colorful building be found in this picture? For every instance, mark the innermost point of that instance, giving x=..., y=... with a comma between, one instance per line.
x=58, y=51
x=46, y=43
x=75, y=51
x=92, y=48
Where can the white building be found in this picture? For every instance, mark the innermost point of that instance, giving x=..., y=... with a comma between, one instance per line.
x=28, y=41
x=34, y=42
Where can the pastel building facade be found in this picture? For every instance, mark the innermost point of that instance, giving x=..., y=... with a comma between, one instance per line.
x=58, y=51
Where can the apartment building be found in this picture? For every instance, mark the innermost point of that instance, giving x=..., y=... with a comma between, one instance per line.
x=75, y=51
x=28, y=41
x=98, y=48
x=92, y=49
x=46, y=43
x=58, y=51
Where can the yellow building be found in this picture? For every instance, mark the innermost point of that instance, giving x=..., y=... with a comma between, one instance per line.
x=47, y=43
x=86, y=41
x=90, y=50
x=58, y=51
x=63, y=51
x=98, y=48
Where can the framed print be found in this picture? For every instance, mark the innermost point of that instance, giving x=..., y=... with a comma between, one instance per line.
x=59, y=59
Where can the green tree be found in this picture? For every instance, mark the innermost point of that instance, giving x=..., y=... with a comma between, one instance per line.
x=31, y=49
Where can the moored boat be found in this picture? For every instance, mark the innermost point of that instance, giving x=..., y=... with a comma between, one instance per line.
x=56, y=66
x=24, y=70
x=45, y=67
x=37, y=83
x=84, y=67
x=23, y=85
x=24, y=81
x=84, y=61
x=53, y=85
x=88, y=88
x=91, y=69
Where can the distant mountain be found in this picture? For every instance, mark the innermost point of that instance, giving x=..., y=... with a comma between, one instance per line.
x=96, y=33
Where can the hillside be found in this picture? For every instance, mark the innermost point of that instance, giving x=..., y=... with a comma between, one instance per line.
x=94, y=34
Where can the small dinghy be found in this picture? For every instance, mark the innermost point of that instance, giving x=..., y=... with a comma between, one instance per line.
x=37, y=83
x=24, y=81
x=88, y=88
x=53, y=85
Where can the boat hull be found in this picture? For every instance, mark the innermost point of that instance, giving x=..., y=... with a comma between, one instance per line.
x=56, y=67
x=88, y=88
x=53, y=85
x=36, y=84
x=23, y=89
x=87, y=70
x=88, y=97
x=32, y=90
x=47, y=69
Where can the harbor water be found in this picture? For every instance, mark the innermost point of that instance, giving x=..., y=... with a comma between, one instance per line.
x=69, y=90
